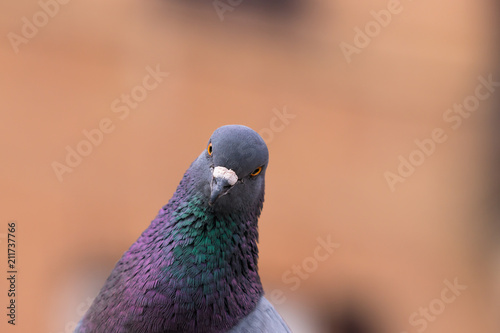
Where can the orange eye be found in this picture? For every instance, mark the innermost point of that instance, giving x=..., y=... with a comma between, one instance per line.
x=210, y=149
x=256, y=172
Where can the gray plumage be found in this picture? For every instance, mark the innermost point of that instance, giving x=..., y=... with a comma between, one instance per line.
x=264, y=319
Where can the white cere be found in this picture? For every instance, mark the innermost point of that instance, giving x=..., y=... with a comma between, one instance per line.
x=228, y=174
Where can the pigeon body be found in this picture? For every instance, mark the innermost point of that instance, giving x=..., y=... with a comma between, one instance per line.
x=194, y=269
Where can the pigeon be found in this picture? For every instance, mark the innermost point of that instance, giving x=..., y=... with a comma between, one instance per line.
x=194, y=269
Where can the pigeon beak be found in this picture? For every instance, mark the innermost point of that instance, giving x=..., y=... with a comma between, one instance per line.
x=222, y=181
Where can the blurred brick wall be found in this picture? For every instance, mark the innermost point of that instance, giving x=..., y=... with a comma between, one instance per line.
x=350, y=123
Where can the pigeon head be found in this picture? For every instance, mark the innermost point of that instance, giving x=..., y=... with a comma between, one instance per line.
x=232, y=168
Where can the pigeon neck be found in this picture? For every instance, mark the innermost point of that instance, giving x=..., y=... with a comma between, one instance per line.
x=212, y=259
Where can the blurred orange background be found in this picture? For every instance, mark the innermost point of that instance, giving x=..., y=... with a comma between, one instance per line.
x=340, y=90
